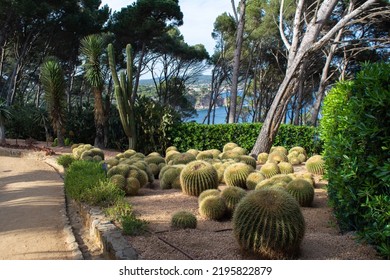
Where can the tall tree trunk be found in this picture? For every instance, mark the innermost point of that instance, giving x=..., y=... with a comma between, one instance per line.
x=99, y=118
x=236, y=63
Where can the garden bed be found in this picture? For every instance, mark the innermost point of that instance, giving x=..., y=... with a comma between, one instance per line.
x=213, y=240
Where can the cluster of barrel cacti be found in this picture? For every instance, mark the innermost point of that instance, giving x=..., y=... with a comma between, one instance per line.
x=87, y=152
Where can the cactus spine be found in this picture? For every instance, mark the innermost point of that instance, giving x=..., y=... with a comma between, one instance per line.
x=124, y=94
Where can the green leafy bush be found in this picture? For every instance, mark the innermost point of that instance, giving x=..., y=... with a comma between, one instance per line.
x=356, y=133
x=104, y=194
x=65, y=160
x=81, y=176
x=205, y=137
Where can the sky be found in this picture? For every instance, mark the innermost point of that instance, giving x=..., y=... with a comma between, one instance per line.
x=199, y=17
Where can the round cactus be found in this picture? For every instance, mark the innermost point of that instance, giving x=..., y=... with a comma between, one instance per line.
x=280, y=180
x=213, y=208
x=302, y=191
x=285, y=167
x=269, y=224
x=297, y=149
x=206, y=193
x=182, y=158
x=170, y=148
x=155, y=169
x=154, y=154
x=170, y=178
x=132, y=186
x=315, y=165
x=154, y=159
x=198, y=176
x=248, y=160
x=214, y=152
x=183, y=220
x=232, y=196
x=193, y=151
x=229, y=146
x=112, y=162
x=277, y=157
x=236, y=174
x=239, y=150
x=302, y=158
x=280, y=149
x=262, y=158
x=294, y=160
x=119, y=181
x=170, y=155
x=253, y=179
x=204, y=155
x=269, y=170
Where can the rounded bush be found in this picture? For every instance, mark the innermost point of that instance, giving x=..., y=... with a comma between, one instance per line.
x=269, y=224
x=183, y=220
x=206, y=193
x=198, y=176
x=253, y=179
x=213, y=208
x=236, y=174
x=302, y=191
x=269, y=170
x=315, y=165
x=232, y=196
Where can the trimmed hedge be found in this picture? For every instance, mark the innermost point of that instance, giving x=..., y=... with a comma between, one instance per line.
x=204, y=137
x=356, y=133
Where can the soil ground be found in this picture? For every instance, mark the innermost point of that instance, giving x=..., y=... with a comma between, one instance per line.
x=31, y=227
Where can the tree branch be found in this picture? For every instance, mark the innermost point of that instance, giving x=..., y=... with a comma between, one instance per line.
x=285, y=41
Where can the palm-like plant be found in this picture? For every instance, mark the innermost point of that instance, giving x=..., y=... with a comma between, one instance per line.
x=4, y=115
x=92, y=47
x=53, y=82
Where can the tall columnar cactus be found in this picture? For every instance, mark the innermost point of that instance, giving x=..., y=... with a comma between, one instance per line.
x=268, y=223
x=124, y=94
x=198, y=176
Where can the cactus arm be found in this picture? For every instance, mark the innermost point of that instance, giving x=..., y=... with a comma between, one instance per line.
x=129, y=69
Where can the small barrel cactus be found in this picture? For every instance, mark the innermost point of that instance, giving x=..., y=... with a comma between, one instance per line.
x=239, y=150
x=229, y=146
x=315, y=165
x=154, y=159
x=170, y=148
x=302, y=191
x=119, y=181
x=206, y=193
x=204, y=155
x=269, y=170
x=253, y=179
x=280, y=180
x=302, y=158
x=279, y=149
x=297, y=149
x=193, y=151
x=213, y=208
x=230, y=154
x=269, y=224
x=170, y=179
x=132, y=186
x=294, y=160
x=182, y=158
x=262, y=158
x=183, y=220
x=236, y=174
x=198, y=176
x=232, y=196
x=277, y=157
x=285, y=167
x=248, y=160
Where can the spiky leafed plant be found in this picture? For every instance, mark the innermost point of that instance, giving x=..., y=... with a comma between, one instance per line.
x=4, y=115
x=92, y=47
x=53, y=82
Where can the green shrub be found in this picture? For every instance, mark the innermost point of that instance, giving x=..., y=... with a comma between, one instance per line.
x=132, y=225
x=81, y=176
x=356, y=133
x=203, y=137
x=65, y=160
x=104, y=194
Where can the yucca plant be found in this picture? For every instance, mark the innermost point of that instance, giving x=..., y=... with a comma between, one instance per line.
x=92, y=48
x=53, y=83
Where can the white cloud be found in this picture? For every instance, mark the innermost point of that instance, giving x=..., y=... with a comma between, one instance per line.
x=199, y=17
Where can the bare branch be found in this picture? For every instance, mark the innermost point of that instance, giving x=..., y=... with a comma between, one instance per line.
x=285, y=41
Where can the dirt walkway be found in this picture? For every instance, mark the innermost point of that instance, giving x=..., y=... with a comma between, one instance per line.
x=33, y=222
